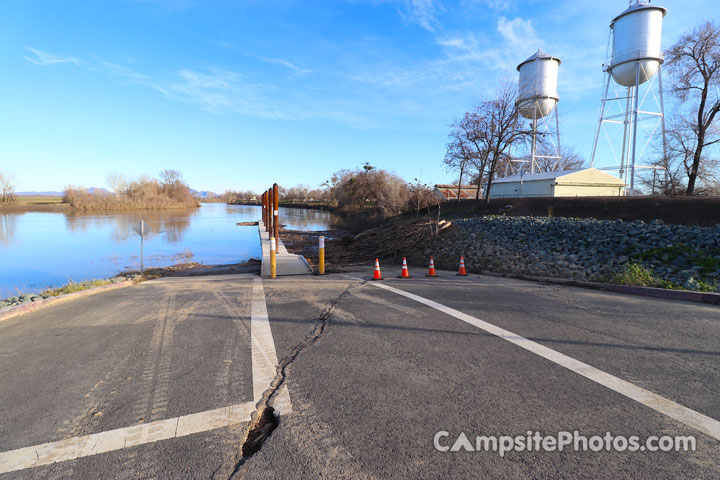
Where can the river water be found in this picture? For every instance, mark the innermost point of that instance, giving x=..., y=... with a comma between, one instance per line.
x=41, y=250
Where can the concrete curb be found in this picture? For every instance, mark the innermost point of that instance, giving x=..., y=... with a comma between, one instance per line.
x=31, y=307
x=687, y=295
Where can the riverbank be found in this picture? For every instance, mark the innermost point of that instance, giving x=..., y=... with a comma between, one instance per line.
x=60, y=207
x=634, y=253
x=67, y=289
x=177, y=270
x=35, y=203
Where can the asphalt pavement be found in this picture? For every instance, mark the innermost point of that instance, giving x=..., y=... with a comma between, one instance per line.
x=377, y=378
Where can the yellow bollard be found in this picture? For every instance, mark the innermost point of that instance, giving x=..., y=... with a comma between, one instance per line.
x=273, y=264
x=321, y=263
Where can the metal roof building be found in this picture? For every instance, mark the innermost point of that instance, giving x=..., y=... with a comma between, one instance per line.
x=587, y=182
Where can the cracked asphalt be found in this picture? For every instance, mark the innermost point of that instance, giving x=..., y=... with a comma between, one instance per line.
x=388, y=373
x=380, y=376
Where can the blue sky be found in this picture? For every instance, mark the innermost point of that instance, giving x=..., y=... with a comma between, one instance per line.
x=238, y=94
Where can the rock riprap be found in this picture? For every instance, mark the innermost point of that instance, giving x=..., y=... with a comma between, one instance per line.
x=585, y=249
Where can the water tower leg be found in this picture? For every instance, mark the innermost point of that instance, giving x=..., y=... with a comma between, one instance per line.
x=600, y=121
x=626, y=126
x=557, y=132
x=662, y=119
x=635, y=120
x=532, y=150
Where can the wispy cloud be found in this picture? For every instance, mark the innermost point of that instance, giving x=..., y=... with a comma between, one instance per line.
x=518, y=31
x=422, y=12
x=217, y=91
x=44, y=58
x=497, y=5
x=290, y=66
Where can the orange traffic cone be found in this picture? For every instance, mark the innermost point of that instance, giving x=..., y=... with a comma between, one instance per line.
x=377, y=275
x=404, y=273
x=462, y=271
x=431, y=269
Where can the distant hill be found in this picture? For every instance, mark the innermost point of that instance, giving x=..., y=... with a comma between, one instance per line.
x=39, y=194
x=202, y=193
x=91, y=190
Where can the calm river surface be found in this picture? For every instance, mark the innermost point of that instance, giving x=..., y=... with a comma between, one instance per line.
x=40, y=250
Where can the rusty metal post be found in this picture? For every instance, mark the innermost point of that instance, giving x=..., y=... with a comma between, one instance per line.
x=265, y=210
x=262, y=203
x=267, y=220
x=270, y=216
x=276, y=213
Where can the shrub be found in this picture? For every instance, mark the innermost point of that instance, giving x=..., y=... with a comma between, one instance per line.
x=636, y=274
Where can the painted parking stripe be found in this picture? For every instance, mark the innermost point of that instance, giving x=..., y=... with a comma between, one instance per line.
x=682, y=414
x=111, y=440
x=264, y=358
x=264, y=361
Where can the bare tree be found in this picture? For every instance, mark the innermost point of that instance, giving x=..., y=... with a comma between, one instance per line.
x=468, y=148
x=457, y=153
x=173, y=185
x=499, y=129
x=170, y=177
x=7, y=189
x=694, y=62
x=569, y=160
x=384, y=193
x=117, y=183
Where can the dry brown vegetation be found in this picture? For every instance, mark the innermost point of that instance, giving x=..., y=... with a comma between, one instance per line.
x=7, y=189
x=144, y=193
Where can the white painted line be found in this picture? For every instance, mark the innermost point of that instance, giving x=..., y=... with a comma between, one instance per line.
x=264, y=358
x=682, y=414
x=96, y=443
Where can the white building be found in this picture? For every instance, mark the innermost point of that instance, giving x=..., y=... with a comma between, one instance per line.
x=587, y=182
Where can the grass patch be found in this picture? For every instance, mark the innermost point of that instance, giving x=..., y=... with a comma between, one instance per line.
x=707, y=287
x=706, y=259
x=73, y=287
x=636, y=274
x=37, y=200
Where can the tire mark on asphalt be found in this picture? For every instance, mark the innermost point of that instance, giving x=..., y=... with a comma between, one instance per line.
x=154, y=397
x=88, y=420
x=229, y=382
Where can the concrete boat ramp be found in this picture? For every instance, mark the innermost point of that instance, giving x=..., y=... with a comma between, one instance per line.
x=287, y=263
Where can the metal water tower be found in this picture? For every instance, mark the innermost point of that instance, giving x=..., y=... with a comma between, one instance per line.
x=537, y=98
x=636, y=58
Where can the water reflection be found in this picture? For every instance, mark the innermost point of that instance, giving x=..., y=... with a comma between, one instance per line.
x=45, y=249
x=172, y=223
x=306, y=220
x=7, y=228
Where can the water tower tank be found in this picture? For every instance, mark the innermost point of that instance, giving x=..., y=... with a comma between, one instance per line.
x=537, y=93
x=637, y=33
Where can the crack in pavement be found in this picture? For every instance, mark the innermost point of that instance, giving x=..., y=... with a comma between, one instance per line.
x=264, y=419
